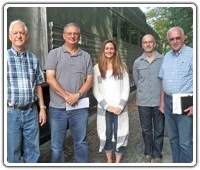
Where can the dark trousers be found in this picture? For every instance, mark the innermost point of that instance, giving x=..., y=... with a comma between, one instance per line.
x=152, y=124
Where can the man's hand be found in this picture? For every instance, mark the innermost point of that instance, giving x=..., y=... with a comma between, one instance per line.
x=72, y=99
x=189, y=111
x=42, y=117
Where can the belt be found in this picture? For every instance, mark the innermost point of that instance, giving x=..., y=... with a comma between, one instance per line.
x=21, y=107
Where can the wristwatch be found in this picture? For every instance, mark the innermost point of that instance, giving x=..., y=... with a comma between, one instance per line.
x=80, y=94
x=43, y=107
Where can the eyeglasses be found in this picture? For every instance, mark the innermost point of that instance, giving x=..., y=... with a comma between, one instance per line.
x=175, y=38
x=148, y=42
x=19, y=33
x=72, y=33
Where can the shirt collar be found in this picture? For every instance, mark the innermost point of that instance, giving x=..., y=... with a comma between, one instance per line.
x=78, y=53
x=178, y=52
x=17, y=53
x=157, y=55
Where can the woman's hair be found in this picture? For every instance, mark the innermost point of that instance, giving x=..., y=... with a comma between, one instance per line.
x=117, y=65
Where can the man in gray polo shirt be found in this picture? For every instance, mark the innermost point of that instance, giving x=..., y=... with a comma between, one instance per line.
x=145, y=74
x=69, y=75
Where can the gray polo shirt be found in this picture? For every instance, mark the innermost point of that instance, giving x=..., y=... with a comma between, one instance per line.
x=146, y=79
x=71, y=71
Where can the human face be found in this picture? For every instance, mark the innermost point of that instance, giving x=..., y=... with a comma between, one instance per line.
x=18, y=36
x=71, y=35
x=176, y=39
x=109, y=50
x=148, y=43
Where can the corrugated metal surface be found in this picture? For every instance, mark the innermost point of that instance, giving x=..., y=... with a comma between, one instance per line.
x=92, y=44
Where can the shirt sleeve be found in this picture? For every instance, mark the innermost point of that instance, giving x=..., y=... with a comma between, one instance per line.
x=90, y=66
x=135, y=73
x=97, y=91
x=39, y=75
x=51, y=60
x=125, y=90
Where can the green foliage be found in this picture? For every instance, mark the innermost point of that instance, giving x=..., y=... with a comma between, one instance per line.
x=183, y=17
x=163, y=18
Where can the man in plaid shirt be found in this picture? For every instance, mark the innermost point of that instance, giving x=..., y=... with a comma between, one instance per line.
x=24, y=78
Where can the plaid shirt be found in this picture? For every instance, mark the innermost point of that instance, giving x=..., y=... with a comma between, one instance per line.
x=23, y=74
x=177, y=71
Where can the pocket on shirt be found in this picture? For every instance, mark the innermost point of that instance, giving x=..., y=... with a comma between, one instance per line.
x=142, y=71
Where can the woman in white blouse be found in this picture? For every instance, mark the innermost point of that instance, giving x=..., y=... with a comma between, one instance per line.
x=111, y=88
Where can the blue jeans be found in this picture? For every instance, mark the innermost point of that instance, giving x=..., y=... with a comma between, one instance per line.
x=23, y=128
x=152, y=123
x=111, y=127
x=180, y=131
x=77, y=121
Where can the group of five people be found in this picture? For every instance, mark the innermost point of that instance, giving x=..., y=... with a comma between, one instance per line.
x=70, y=75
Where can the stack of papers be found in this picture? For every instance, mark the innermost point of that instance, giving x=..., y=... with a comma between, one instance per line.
x=82, y=103
x=181, y=101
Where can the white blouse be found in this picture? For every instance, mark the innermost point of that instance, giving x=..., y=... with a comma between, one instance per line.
x=110, y=84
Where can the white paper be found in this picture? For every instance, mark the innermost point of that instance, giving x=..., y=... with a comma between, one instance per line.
x=82, y=103
x=176, y=102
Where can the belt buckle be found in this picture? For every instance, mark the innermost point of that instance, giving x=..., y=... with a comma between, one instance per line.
x=22, y=107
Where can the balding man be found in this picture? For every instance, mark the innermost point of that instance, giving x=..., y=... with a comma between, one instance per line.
x=145, y=74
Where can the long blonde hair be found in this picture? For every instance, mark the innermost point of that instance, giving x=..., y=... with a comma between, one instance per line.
x=117, y=65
